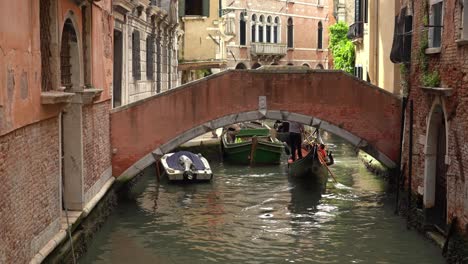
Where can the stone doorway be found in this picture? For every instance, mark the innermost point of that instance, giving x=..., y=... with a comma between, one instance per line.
x=71, y=119
x=435, y=182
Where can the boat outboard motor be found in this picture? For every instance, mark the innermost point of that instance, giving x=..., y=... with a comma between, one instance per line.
x=186, y=162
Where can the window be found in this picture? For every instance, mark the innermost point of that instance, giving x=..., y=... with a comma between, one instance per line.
x=319, y=37
x=136, y=70
x=361, y=13
x=464, y=19
x=150, y=58
x=275, y=30
x=242, y=29
x=290, y=33
x=194, y=8
x=261, y=29
x=365, y=11
x=254, y=26
x=435, y=23
x=358, y=72
x=268, y=30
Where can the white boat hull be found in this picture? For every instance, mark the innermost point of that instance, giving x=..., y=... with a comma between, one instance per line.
x=180, y=175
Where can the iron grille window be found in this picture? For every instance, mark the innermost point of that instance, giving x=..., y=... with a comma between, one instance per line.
x=150, y=58
x=136, y=63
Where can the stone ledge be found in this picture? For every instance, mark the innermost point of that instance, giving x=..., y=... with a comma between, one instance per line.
x=461, y=42
x=438, y=90
x=432, y=50
x=87, y=96
x=56, y=97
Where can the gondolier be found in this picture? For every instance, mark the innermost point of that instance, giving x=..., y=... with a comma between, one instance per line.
x=295, y=132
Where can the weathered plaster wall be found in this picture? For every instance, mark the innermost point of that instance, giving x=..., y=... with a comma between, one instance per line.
x=334, y=97
x=102, y=48
x=20, y=66
x=30, y=190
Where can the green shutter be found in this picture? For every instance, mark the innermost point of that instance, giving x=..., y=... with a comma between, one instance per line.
x=181, y=8
x=206, y=8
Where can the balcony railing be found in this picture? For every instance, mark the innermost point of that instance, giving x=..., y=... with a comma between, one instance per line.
x=356, y=31
x=268, y=49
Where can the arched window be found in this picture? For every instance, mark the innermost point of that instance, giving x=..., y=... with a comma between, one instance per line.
x=242, y=29
x=290, y=64
x=290, y=33
x=319, y=66
x=256, y=65
x=253, y=31
x=261, y=29
x=320, y=35
x=241, y=66
x=275, y=30
x=306, y=65
x=268, y=30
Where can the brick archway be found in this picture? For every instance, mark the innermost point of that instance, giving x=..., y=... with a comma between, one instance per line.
x=365, y=115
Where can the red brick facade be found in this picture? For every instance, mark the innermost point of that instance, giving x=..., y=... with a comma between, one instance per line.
x=29, y=189
x=96, y=142
x=452, y=65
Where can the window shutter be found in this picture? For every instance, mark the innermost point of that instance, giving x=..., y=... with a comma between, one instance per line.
x=150, y=58
x=136, y=55
x=465, y=20
x=181, y=8
x=242, y=32
x=206, y=8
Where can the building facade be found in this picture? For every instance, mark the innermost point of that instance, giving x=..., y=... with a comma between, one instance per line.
x=273, y=32
x=436, y=146
x=145, y=50
x=203, y=42
x=55, y=98
x=372, y=34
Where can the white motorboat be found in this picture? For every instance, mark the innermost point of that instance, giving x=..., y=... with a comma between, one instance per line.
x=185, y=165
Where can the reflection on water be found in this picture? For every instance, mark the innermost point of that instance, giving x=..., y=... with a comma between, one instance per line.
x=260, y=215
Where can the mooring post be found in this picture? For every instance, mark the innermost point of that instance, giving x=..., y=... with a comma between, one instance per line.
x=410, y=160
x=400, y=170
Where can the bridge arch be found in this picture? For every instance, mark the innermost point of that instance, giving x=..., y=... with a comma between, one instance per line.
x=364, y=115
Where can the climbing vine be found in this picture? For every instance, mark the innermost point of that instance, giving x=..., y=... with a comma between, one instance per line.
x=428, y=78
x=341, y=47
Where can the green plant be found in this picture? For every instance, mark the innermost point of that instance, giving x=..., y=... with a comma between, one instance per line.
x=430, y=79
x=341, y=47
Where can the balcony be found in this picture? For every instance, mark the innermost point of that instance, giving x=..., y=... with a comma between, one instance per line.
x=356, y=31
x=268, y=50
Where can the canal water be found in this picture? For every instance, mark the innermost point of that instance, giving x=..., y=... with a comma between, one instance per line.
x=259, y=215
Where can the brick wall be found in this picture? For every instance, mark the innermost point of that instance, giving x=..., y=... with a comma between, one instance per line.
x=96, y=142
x=452, y=64
x=29, y=164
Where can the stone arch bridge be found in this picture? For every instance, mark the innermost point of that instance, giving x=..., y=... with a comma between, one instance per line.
x=365, y=115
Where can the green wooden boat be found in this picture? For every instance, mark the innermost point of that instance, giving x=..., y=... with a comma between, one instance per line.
x=310, y=167
x=253, y=146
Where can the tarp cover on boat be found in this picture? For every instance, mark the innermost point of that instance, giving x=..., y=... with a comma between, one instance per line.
x=173, y=161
